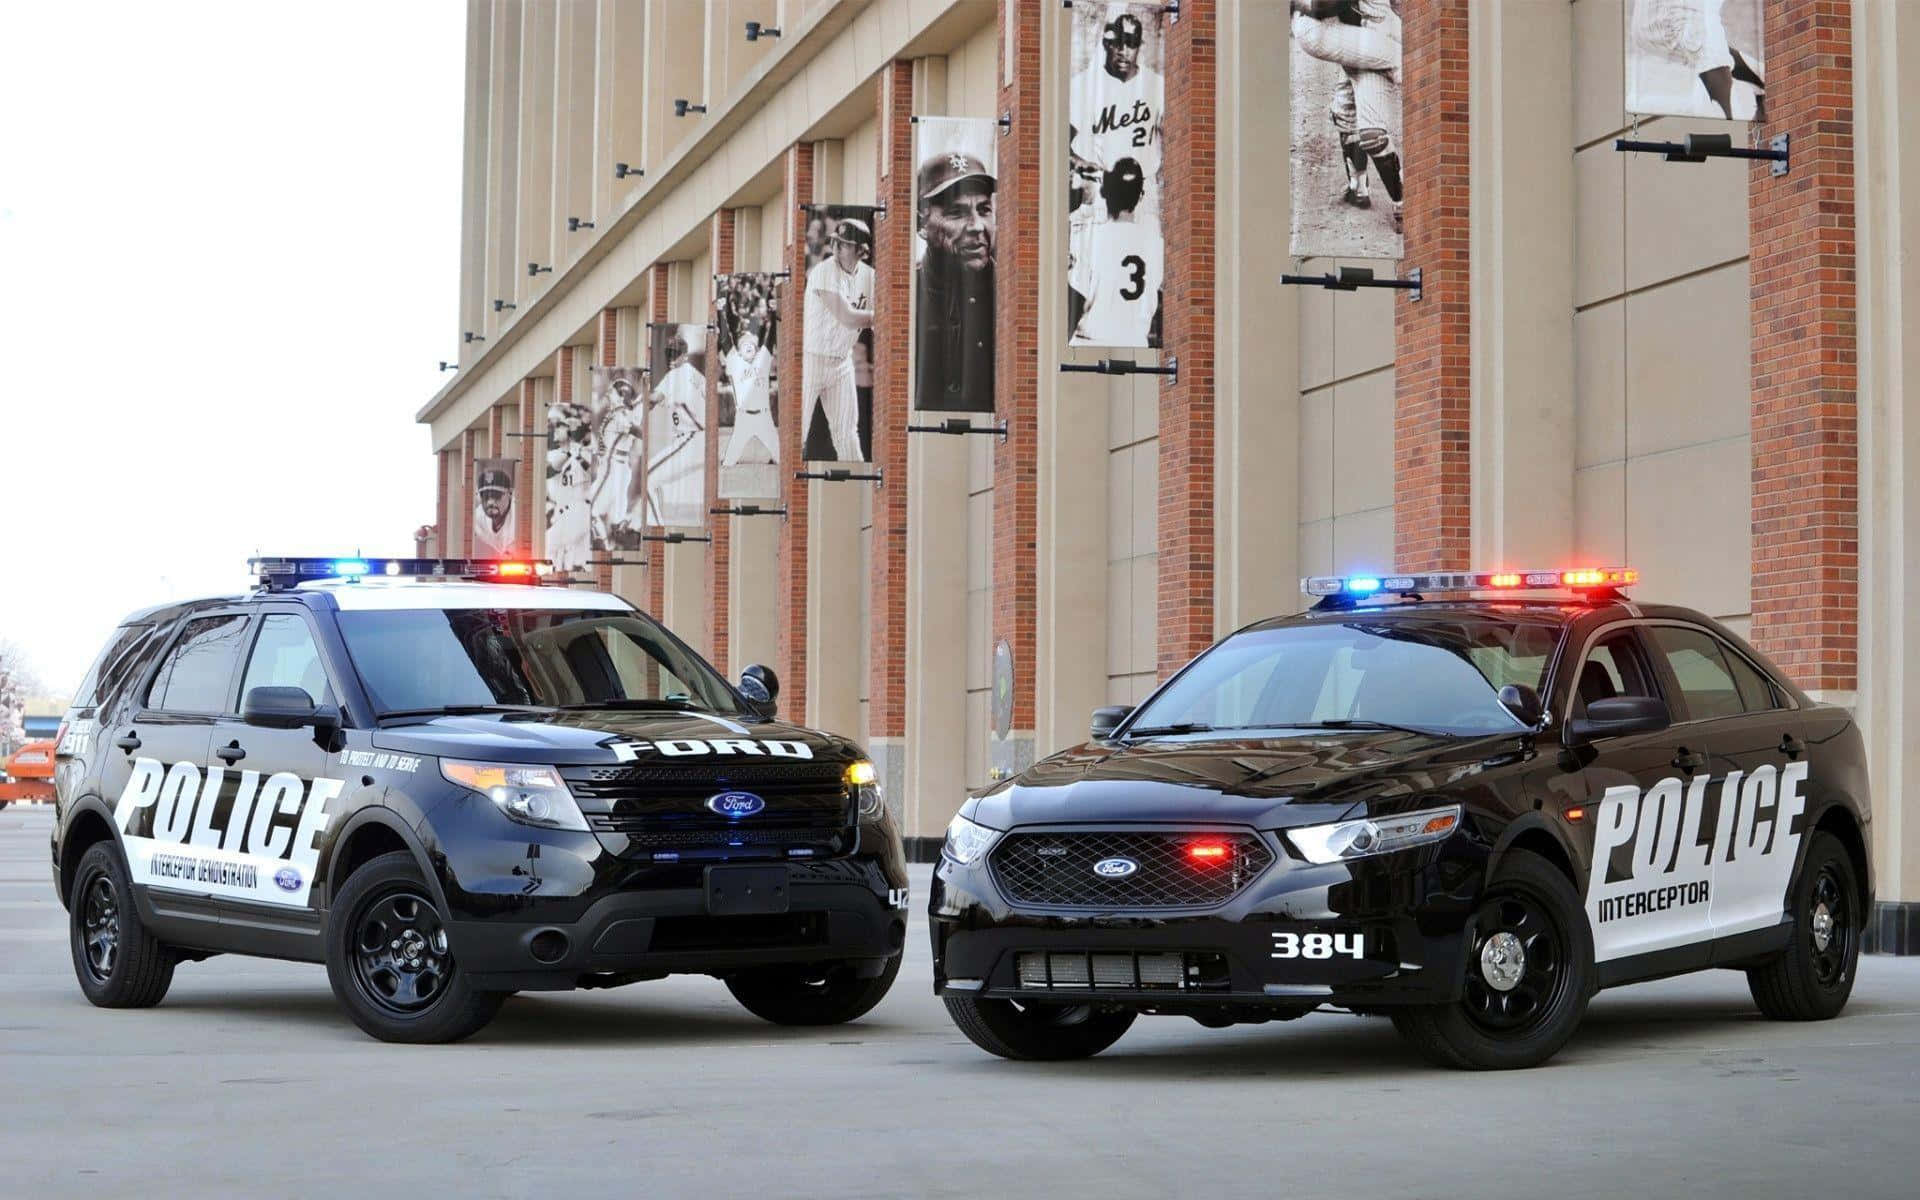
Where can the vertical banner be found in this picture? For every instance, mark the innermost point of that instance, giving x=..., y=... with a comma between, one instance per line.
x=953, y=263
x=676, y=428
x=614, y=448
x=837, y=404
x=1696, y=58
x=1116, y=260
x=570, y=469
x=493, y=516
x=746, y=321
x=1346, y=129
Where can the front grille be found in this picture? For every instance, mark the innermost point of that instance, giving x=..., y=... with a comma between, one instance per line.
x=678, y=839
x=663, y=807
x=1040, y=970
x=1056, y=869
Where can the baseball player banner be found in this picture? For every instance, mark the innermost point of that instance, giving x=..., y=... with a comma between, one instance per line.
x=1115, y=256
x=570, y=470
x=493, y=515
x=1347, y=184
x=953, y=263
x=746, y=321
x=676, y=428
x=1696, y=58
x=838, y=365
x=613, y=446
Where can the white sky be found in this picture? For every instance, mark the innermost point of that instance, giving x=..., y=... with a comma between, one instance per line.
x=229, y=259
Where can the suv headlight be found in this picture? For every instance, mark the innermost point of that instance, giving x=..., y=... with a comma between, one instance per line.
x=864, y=779
x=967, y=842
x=531, y=795
x=1373, y=835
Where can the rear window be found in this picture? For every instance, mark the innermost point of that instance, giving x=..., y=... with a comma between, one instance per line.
x=113, y=658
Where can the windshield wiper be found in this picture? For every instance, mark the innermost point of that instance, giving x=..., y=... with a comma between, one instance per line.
x=1178, y=727
x=1358, y=723
x=465, y=710
x=631, y=702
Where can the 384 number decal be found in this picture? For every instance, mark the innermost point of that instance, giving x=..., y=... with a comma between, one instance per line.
x=1319, y=945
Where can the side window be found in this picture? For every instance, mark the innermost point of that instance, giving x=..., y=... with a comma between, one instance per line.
x=284, y=655
x=107, y=667
x=1613, y=667
x=195, y=676
x=1700, y=667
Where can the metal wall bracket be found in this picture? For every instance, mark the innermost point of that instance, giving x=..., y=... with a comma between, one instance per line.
x=1122, y=366
x=960, y=426
x=1349, y=279
x=843, y=475
x=1699, y=147
x=749, y=510
x=674, y=539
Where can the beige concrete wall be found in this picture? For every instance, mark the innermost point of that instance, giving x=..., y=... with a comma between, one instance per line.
x=473, y=174
x=1661, y=345
x=575, y=98
x=503, y=188
x=1344, y=457
x=534, y=210
x=620, y=103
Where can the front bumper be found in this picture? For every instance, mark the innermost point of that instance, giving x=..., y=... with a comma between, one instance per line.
x=1389, y=930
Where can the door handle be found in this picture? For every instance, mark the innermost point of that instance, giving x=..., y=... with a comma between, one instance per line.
x=130, y=742
x=1687, y=760
x=1791, y=746
x=230, y=753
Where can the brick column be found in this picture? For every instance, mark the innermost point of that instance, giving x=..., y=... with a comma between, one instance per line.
x=523, y=489
x=609, y=356
x=1806, y=471
x=792, y=656
x=1433, y=385
x=466, y=493
x=893, y=237
x=654, y=552
x=497, y=430
x=720, y=550
x=443, y=468
x=1017, y=238
x=1185, y=578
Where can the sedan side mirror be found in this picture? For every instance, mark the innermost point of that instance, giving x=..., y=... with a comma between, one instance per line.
x=761, y=687
x=1523, y=702
x=1616, y=716
x=1106, y=720
x=287, y=708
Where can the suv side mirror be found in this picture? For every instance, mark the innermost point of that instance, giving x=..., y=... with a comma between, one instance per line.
x=1523, y=702
x=287, y=708
x=1106, y=720
x=1618, y=715
x=761, y=687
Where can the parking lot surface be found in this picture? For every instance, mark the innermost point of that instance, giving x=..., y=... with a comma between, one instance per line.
x=248, y=1081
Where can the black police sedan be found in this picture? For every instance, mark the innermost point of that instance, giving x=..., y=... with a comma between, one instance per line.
x=449, y=791
x=1466, y=814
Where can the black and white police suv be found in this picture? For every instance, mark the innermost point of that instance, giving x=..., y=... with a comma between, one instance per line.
x=449, y=786
x=1469, y=814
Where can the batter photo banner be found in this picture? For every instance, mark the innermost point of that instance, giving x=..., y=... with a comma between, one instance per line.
x=608, y=500
x=1696, y=58
x=953, y=263
x=746, y=321
x=676, y=428
x=569, y=541
x=1345, y=76
x=837, y=383
x=493, y=500
x=1115, y=256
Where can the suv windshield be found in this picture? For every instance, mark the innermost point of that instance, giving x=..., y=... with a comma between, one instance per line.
x=429, y=659
x=1431, y=673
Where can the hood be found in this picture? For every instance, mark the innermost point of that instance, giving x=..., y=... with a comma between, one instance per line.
x=611, y=735
x=1269, y=783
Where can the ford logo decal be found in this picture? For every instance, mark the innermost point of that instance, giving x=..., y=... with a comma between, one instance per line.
x=1115, y=868
x=287, y=879
x=734, y=805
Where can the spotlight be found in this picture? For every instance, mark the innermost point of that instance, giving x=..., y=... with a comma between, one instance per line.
x=575, y=224
x=682, y=107
x=447, y=366
x=471, y=336
x=536, y=269
x=622, y=170
x=756, y=31
x=502, y=305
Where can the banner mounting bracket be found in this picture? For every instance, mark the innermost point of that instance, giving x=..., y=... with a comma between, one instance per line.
x=1349, y=279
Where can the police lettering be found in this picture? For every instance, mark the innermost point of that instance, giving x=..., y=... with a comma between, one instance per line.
x=1667, y=828
x=280, y=817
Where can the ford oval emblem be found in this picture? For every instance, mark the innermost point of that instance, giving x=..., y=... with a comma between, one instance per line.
x=287, y=879
x=734, y=805
x=1115, y=868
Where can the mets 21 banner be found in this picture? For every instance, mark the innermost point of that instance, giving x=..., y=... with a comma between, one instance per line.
x=953, y=266
x=1115, y=256
x=1345, y=73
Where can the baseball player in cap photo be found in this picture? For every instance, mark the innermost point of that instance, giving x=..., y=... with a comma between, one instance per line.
x=954, y=324
x=839, y=305
x=1114, y=278
x=493, y=514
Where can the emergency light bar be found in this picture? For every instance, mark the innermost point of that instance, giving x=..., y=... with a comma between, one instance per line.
x=279, y=574
x=1355, y=587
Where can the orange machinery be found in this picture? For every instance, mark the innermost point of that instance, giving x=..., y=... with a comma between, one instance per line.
x=28, y=774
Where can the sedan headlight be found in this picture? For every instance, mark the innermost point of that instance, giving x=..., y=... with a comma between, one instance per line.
x=1373, y=835
x=967, y=842
x=864, y=779
x=531, y=795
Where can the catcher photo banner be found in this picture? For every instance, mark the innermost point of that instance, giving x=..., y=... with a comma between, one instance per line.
x=493, y=501
x=1696, y=58
x=953, y=195
x=1115, y=256
x=676, y=428
x=614, y=444
x=837, y=386
x=1345, y=84
x=746, y=321
x=570, y=467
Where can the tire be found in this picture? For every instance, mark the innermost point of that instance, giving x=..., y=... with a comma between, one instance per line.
x=119, y=964
x=1037, y=1032
x=814, y=995
x=1522, y=1023
x=388, y=961
x=1812, y=979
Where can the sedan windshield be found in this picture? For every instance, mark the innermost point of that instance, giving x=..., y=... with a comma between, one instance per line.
x=1433, y=674
x=478, y=659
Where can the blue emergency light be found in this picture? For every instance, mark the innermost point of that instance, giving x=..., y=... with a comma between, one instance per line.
x=1340, y=590
x=278, y=574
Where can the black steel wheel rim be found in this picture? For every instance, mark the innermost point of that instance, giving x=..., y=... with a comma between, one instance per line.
x=400, y=959
x=100, y=927
x=1531, y=1001
x=1830, y=932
